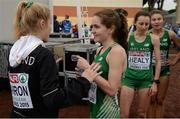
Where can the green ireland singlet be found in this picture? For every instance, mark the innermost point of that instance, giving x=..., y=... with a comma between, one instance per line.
x=164, y=51
x=139, y=71
x=105, y=106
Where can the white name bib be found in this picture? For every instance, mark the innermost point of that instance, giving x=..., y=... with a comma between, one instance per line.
x=20, y=90
x=139, y=60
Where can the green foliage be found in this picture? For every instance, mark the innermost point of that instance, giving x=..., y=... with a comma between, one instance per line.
x=172, y=11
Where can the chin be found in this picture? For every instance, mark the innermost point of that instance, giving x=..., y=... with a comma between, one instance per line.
x=157, y=27
x=45, y=40
x=96, y=40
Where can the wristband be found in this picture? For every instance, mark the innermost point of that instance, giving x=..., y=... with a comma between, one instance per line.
x=156, y=81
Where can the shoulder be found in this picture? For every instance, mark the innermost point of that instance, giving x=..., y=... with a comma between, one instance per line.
x=117, y=48
x=117, y=55
x=154, y=38
x=117, y=51
x=129, y=35
x=172, y=34
x=43, y=52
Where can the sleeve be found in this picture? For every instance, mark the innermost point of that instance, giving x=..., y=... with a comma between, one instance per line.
x=54, y=95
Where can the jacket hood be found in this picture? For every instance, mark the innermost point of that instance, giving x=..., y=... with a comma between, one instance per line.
x=22, y=48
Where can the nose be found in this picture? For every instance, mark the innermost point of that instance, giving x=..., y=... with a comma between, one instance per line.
x=144, y=26
x=93, y=31
x=156, y=21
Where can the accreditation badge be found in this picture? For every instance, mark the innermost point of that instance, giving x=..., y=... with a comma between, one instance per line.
x=20, y=90
x=92, y=93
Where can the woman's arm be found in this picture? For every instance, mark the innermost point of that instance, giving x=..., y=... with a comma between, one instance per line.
x=116, y=60
x=156, y=44
x=174, y=38
x=174, y=60
x=83, y=63
x=54, y=95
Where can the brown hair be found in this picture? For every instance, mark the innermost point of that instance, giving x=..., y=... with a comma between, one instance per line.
x=109, y=18
x=27, y=16
x=141, y=13
x=157, y=12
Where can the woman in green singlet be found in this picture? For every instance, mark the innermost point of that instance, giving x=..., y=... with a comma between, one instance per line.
x=165, y=38
x=107, y=28
x=139, y=73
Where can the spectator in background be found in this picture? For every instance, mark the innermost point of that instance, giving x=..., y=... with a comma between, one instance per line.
x=66, y=25
x=56, y=28
x=75, y=31
x=86, y=30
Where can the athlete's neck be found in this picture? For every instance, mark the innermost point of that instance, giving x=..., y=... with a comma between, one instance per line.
x=108, y=43
x=157, y=31
x=138, y=33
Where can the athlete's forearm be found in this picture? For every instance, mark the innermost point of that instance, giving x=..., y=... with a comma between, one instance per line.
x=157, y=70
x=105, y=86
x=177, y=57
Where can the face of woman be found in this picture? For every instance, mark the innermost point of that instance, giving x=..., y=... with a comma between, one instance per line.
x=99, y=30
x=142, y=23
x=157, y=21
x=46, y=30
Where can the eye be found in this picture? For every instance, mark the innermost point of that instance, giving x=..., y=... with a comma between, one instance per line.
x=146, y=24
x=141, y=23
x=153, y=19
x=95, y=26
x=159, y=19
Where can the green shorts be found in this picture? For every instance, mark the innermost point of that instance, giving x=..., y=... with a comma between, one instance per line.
x=136, y=84
x=165, y=71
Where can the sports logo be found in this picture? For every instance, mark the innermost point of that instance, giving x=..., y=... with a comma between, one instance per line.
x=100, y=59
x=146, y=45
x=165, y=39
x=23, y=78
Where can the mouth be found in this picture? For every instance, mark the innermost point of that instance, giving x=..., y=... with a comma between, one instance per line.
x=95, y=36
x=156, y=25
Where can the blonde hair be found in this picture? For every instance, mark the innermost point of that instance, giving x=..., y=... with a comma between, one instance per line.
x=27, y=17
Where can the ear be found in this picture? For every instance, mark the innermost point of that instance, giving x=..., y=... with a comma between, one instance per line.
x=112, y=29
x=42, y=24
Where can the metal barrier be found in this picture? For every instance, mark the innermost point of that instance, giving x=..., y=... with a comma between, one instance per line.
x=4, y=56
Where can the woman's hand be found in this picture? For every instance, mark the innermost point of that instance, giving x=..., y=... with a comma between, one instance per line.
x=82, y=63
x=172, y=62
x=90, y=73
x=153, y=89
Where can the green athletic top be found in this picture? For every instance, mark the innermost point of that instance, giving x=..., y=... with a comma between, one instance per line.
x=139, y=59
x=164, y=49
x=106, y=106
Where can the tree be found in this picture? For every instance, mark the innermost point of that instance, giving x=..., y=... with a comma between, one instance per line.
x=160, y=4
x=151, y=4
